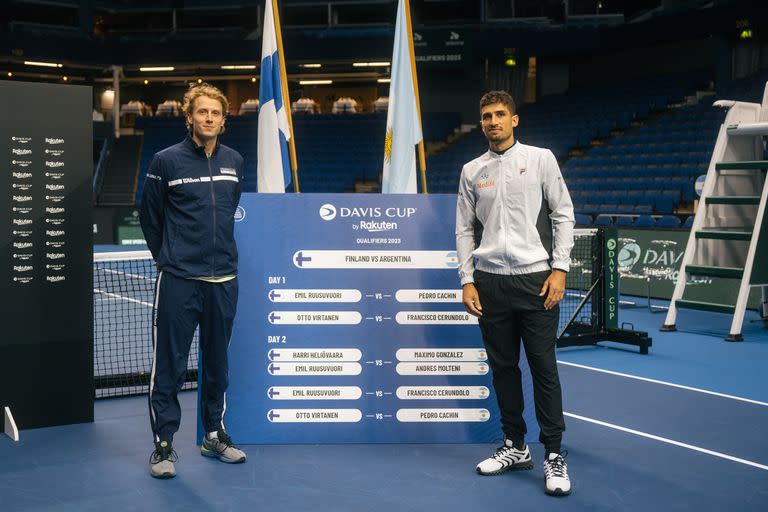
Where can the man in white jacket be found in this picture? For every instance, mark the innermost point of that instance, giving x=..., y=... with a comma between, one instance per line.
x=514, y=234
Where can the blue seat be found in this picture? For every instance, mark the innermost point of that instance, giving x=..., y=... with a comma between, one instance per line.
x=624, y=221
x=668, y=221
x=644, y=221
x=688, y=224
x=603, y=220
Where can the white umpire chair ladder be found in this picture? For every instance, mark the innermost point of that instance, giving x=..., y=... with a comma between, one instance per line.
x=10, y=426
x=729, y=236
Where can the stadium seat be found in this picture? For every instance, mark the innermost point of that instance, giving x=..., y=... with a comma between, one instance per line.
x=603, y=220
x=623, y=221
x=583, y=220
x=688, y=224
x=644, y=221
x=668, y=221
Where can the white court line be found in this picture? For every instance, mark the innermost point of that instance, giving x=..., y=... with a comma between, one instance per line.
x=121, y=297
x=129, y=274
x=668, y=441
x=665, y=383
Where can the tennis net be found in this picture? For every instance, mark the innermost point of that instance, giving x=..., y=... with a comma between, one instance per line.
x=123, y=295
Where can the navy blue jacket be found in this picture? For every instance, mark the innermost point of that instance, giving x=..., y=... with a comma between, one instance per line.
x=188, y=207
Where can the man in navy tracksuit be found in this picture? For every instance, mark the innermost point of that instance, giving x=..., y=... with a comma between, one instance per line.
x=187, y=215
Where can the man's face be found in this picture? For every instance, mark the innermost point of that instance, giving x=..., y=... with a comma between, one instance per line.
x=498, y=123
x=207, y=118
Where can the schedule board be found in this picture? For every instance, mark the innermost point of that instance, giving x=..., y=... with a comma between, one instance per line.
x=350, y=327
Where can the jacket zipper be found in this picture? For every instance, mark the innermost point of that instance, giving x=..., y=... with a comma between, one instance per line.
x=503, y=214
x=213, y=199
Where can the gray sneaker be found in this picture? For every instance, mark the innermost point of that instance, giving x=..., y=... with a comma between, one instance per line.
x=161, y=461
x=221, y=447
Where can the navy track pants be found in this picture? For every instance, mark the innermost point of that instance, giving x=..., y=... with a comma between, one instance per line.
x=180, y=306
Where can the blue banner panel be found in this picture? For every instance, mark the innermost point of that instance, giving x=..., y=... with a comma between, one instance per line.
x=350, y=327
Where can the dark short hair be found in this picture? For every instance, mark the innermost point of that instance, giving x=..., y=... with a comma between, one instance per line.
x=502, y=97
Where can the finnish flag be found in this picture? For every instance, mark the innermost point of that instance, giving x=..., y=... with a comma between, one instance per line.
x=273, y=162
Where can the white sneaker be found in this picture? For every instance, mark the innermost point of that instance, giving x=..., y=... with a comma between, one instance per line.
x=506, y=458
x=556, y=475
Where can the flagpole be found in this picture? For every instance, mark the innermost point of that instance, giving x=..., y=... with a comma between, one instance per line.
x=286, y=99
x=422, y=158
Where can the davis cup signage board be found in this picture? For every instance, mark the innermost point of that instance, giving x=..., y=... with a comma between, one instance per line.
x=350, y=327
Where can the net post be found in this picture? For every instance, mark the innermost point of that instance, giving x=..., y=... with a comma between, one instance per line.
x=610, y=286
x=10, y=425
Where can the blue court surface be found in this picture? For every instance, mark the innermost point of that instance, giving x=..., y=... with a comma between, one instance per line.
x=680, y=429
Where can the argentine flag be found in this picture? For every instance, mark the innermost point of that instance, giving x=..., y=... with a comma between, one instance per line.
x=273, y=170
x=403, y=124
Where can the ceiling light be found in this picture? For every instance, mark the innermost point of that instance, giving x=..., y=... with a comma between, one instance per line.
x=42, y=64
x=146, y=82
x=369, y=64
x=253, y=79
x=315, y=82
x=249, y=66
x=310, y=65
x=157, y=68
x=384, y=80
x=64, y=78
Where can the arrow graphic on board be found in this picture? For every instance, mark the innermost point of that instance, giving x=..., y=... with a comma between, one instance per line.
x=272, y=393
x=273, y=354
x=273, y=295
x=272, y=415
x=272, y=317
x=301, y=259
x=272, y=368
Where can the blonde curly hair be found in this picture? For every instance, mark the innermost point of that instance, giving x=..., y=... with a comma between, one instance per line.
x=203, y=89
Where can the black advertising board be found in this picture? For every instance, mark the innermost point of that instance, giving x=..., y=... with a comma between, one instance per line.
x=46, y=296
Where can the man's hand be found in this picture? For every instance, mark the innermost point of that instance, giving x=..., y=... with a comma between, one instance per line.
x=555, y=285
x=471, y=300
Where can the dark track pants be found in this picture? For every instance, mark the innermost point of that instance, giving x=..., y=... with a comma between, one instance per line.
x=180, y=305
x=513, y=310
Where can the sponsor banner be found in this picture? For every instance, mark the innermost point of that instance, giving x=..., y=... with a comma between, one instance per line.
x=46, y=295
x=649, y=261
x=441, y=48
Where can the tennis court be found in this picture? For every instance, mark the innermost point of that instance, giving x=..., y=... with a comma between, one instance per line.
x=679, y=429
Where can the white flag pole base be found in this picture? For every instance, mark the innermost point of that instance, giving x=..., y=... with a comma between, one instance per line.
x=10, y=426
